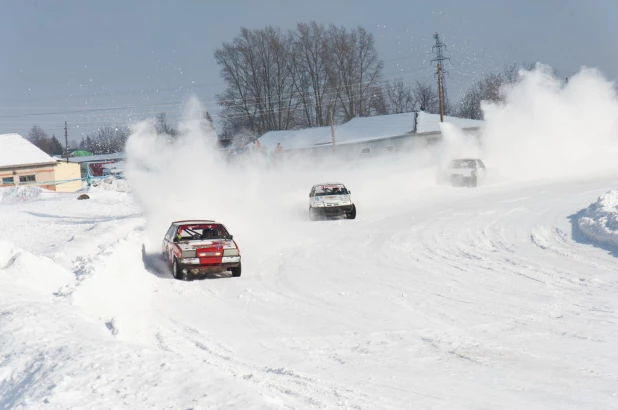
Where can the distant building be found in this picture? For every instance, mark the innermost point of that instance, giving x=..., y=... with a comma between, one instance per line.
x=368, y=136
x=23, y=163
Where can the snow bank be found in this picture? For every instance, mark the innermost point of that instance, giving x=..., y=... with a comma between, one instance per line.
x=19, y=194
x=599, y=222
x=23, y=270
x=112, y=184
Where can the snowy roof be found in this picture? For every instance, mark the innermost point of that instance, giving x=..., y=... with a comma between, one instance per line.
x=294, y=139
x=100, y=157
x=364, y=129
x=372, y=128
x=15, y=150
x=194, y=222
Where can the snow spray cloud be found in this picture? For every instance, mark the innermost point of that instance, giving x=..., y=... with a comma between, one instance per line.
x=187, y=177
x=547, y=129
x=456, y=143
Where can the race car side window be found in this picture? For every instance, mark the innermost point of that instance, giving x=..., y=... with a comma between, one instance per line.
x=170, y=233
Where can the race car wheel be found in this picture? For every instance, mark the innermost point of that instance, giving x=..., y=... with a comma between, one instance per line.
x=352, y=213
x=473, y=181
x=312, y=214
x=236, y=271
x=176, y=272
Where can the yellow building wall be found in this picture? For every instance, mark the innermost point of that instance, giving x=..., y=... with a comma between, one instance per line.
x=64, y=171
x=41, y=174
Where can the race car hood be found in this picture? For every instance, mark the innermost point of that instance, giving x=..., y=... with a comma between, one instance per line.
x=460, y=171
x=332, y=199
x=193, y=245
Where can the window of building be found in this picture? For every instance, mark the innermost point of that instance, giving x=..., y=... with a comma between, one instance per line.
x=26, y=178
x=8, y=181
x=366, y=151
x=390, y=148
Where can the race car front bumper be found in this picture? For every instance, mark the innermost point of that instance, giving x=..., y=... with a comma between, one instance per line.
x=198, y=269
x=334, y=210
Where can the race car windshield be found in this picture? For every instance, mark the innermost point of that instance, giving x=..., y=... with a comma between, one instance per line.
x=460, y=163
x=202, y=232
x=330, y=190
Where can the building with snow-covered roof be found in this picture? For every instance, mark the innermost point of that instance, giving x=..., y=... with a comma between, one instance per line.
x=23, y=163
x=362, y=136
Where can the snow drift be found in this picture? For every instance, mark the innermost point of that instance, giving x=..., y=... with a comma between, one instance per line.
x=599, y=222
x=19, y=194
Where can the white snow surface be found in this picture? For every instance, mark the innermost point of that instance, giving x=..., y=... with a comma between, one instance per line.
x=16, y=150
x=599, y=222
x=440, y=298
x=433, y=297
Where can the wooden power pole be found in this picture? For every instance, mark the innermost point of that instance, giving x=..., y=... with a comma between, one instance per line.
x=440, y=94
x=439, y=48
x=332, y=128
x=66, y=140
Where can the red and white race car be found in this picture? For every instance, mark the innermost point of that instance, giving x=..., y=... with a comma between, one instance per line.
x=198, y=247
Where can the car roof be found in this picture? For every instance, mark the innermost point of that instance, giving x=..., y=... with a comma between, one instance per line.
x=329, y=183
x=193, y=221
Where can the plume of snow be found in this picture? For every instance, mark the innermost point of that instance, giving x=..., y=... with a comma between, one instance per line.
x=546, y=128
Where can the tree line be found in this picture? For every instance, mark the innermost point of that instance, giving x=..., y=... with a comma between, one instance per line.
x=278, y=80
x=107, y=139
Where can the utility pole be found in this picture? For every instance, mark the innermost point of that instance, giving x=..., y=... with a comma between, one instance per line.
x=66, y=140
x=332, y=129
x=440, y=94
x=438, y=49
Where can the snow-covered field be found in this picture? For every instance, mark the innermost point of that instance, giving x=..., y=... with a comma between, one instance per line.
x=434, y=297
x=484, y=298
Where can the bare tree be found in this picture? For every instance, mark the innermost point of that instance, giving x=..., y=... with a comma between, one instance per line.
x=489, y=88
x=314, y=80
x=41, y=139
x=426, y=97
x=261, y=88
x=399, y=97
x=356, y=69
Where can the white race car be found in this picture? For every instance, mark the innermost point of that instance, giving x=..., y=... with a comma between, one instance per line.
x=331, y=199
x=466, y=172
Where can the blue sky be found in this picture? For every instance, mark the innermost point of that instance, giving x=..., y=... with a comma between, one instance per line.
x=74, y=60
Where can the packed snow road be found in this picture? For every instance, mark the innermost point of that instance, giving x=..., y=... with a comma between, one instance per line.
x=459, y=298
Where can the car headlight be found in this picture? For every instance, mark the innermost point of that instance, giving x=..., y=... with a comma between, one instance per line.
x=230, y=252
x=188, y=254
x=190, y=261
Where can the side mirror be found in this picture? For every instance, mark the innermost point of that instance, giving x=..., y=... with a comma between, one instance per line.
x=175, y=239
x=231, y=237
x=350, y=192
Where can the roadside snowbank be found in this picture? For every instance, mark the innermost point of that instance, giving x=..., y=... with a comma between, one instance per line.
x=112, y=184
x=599, y=222
x=19, y=194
